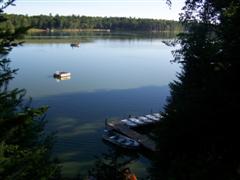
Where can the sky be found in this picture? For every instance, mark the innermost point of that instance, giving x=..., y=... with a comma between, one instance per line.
x=157, y=9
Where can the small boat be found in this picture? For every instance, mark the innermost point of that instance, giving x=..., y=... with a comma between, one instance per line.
x=136, y=121
x=120, y=140
x=75, y=44
x=149, y=116
x=158, y=115
x=146, y=120
x=129, y=123
x=61, y=74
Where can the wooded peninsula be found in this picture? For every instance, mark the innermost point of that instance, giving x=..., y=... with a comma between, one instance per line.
x=75, y=23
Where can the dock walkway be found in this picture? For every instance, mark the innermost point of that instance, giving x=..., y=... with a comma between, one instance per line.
x=145, y=141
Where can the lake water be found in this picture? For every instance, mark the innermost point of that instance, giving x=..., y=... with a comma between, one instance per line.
x=113, y=76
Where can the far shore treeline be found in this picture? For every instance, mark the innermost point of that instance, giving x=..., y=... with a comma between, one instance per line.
x=49, y=22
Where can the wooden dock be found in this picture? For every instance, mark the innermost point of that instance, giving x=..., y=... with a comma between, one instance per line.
x=145, y=141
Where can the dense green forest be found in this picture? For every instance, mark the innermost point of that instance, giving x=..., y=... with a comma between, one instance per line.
x=86, y=22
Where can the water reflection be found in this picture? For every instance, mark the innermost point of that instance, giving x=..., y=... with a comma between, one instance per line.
x=58, y=79
x=90, y=36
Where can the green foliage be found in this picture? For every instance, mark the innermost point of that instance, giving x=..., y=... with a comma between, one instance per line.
x=199, y=131
x=86, y=22
x=111, y=165
x=24, y=148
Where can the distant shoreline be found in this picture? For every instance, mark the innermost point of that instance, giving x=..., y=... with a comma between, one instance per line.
x=68, y=30
x=43, y=23
x=35, y=30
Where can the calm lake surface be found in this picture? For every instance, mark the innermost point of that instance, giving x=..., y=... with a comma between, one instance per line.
x=113, y=75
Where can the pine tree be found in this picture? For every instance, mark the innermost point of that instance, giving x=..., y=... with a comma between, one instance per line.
x=198, y=134
x=24, y=148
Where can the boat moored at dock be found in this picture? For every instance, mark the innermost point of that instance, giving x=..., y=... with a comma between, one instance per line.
x=120, y=140
x=128, y=129
x=149, y=116
x=141, y=120
x=146, y=120
x=136, y=121
x=158, y=115
x=128, y=123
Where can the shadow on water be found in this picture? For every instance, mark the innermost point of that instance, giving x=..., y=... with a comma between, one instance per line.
x=78, y=119
x=98, y=105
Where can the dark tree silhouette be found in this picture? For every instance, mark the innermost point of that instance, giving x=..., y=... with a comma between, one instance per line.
x=198, y=134
x=24, y=148
x=111, y=165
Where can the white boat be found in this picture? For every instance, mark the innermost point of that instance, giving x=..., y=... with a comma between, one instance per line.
x=158, y=115
x=144, y=119
x=137, y=121
x=149, y=116
x=61, y=74
x=120, y=140
x=129, y=123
